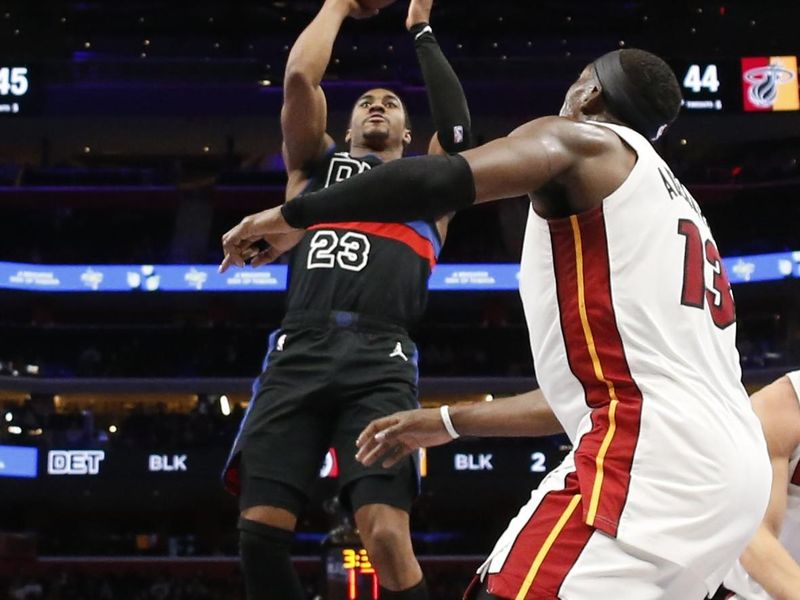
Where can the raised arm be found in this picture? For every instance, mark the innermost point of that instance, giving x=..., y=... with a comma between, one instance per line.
x=446, y=97
x=765, y=558
x=304, y=114
x=396, y=436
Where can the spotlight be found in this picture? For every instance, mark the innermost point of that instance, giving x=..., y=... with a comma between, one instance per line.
x=224, y=405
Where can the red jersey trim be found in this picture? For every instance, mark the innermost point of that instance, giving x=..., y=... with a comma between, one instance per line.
x=596, y=357
x=394, y=231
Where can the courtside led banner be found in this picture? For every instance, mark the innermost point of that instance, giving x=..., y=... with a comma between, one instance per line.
x=148, y=279
x=770, y=83
x=18, y=461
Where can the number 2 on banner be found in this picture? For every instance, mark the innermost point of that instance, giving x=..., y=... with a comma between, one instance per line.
x=695, y=293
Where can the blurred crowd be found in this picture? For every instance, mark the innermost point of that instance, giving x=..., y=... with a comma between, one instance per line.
x=77, y=584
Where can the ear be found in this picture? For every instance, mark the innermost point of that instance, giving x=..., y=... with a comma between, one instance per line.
x=347, y=136
x=406, y=137
x=592, y=103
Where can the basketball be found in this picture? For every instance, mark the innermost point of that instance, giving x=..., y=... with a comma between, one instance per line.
x=375, y=4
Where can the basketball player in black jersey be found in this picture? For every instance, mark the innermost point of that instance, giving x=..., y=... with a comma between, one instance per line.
x=342, y=356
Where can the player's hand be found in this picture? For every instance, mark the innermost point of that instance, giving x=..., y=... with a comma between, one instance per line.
x=396, y=436
x=238, y=243
x=354, y=9
x=419, y=11
x=277, y=245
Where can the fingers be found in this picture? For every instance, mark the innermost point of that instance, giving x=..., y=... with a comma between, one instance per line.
x=265, y=257
x=378, y=425
x=383, y=442
x=225, y=264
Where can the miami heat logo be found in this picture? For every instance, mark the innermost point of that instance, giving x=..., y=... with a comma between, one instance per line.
x=764, y=82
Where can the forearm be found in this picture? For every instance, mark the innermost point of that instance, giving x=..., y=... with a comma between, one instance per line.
x=424, y=187
x=311, y=53
x=446, y=97
x=524, y=415
x=769, y=563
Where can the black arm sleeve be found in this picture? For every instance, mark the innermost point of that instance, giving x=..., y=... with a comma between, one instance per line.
x=423, y=187
x=445, y=95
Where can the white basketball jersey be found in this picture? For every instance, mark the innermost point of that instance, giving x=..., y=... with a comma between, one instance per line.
x=632, y=329
x=738, y=580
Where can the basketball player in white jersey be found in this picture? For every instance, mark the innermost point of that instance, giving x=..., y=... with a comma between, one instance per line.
x=632, y=328
x=769, y=567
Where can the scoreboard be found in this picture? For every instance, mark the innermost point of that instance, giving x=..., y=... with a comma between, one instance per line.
x=747, y=84
x=16, y=91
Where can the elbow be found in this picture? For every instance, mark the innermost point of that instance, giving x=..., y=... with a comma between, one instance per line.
x=296, y=77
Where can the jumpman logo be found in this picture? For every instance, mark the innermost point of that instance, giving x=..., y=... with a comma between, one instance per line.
x=398, y=351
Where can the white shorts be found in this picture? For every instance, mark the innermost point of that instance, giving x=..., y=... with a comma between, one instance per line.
x=548, y=552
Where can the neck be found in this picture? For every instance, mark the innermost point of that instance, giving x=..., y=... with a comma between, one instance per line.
x=387, y=154
x=603, y=117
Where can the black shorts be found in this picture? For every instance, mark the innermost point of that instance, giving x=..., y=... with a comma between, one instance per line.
x=325, y=378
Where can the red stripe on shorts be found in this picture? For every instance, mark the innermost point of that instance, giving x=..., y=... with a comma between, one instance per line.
x=546, y=548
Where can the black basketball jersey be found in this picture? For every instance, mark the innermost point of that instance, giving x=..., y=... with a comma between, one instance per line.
x=375, y=269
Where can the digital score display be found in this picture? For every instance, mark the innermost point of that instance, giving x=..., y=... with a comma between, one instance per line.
x=708, y=86
x=749, y=84
x=15, y=89
x=350, y=575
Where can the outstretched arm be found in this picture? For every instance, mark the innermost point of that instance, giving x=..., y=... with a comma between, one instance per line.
x=428, y=187
x=396, y=436
x=765, y=558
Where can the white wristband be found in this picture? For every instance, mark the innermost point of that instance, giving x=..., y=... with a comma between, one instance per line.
x=444, y=411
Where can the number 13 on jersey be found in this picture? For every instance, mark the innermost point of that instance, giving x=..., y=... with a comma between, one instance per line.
x=695, y=293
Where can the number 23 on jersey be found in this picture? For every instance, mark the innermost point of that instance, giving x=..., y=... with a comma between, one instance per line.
x=327, y=249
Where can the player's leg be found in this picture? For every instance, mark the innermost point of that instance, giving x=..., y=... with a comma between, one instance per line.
x=385, y=532
x=266, y=532
x=548, y=552
x=383, y=382
x=279, y=451
x=609, y=568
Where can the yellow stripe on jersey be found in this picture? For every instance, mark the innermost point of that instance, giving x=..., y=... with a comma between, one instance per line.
x=548, y=543
x=598, y=372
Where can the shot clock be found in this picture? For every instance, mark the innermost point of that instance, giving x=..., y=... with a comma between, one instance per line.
x=350, y=574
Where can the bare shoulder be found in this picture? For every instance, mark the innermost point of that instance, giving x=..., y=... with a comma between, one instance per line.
x=580, y=137
x=778, y=408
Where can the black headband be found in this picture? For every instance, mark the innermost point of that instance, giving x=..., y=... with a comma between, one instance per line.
x=622, y=98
